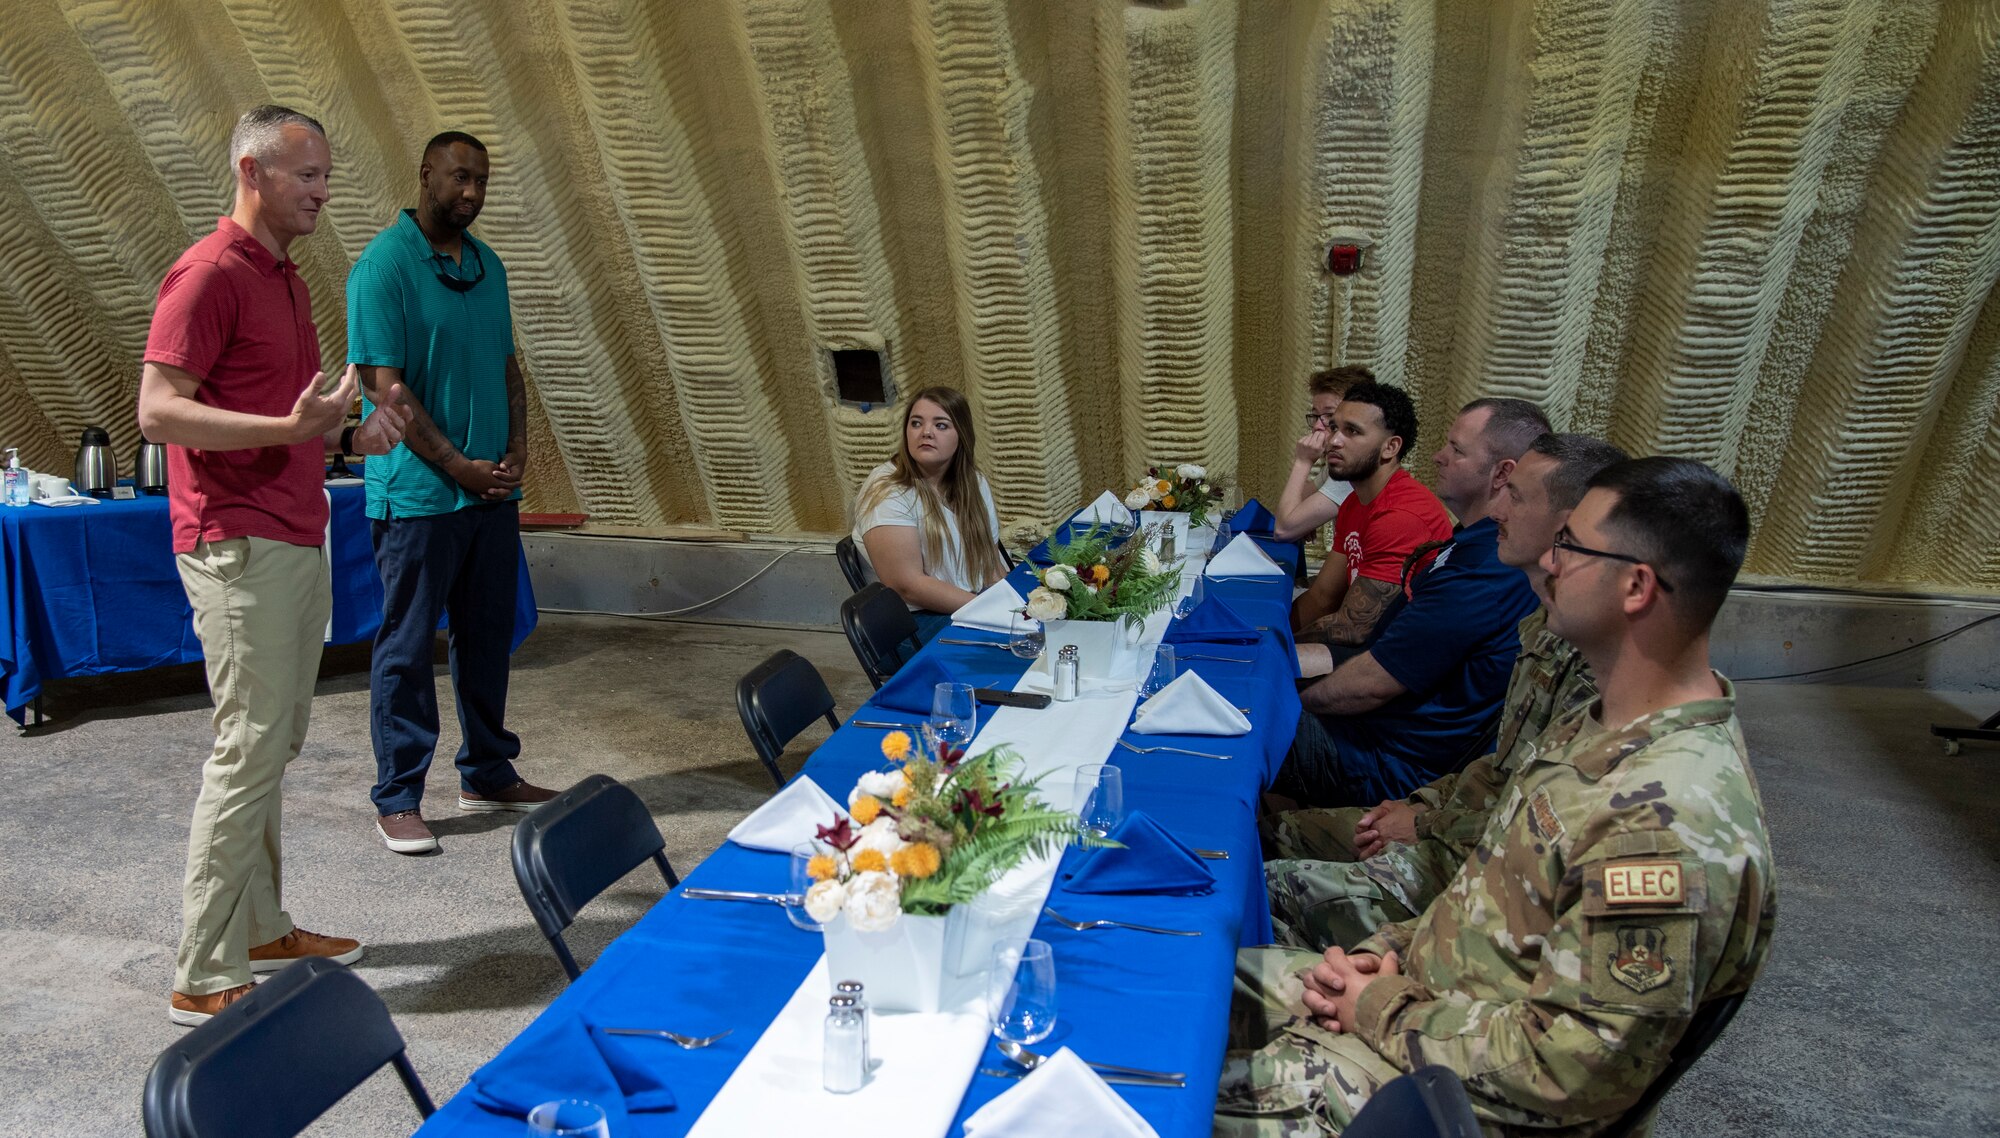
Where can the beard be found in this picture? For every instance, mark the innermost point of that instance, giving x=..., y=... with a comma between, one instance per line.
x=448, y=217
x=1356, y=468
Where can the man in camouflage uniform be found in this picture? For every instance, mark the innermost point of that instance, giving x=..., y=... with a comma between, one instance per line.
x=1330, y=885
x=1624, y=880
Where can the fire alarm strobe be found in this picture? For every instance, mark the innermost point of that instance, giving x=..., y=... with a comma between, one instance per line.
x=1346, y=253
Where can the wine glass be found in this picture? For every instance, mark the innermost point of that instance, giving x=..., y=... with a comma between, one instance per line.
x=954, y=715
x=802, y=880
x=1024, y=637
x=568, y=1118
x=1161, y=674
x=1195, y=596
x=1021, y=991
x=1100, y=797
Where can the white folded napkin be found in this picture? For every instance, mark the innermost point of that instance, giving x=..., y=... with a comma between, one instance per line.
x=1188, y=706
x=790, y=817
x=1242, y=557
x=1062, y=1098
x=1107, y=508
x=992, y=610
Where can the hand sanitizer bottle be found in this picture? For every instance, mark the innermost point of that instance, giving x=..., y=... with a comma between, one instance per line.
x=14, y=492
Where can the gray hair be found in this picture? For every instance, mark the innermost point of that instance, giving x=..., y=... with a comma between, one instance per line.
x=262, y=129
x=1578, y=459
x=1512, y=426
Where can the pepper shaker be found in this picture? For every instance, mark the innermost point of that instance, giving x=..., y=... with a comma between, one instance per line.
x=854, y=988
x=1169, y=547
x=842, y=1066
x=1065, y=677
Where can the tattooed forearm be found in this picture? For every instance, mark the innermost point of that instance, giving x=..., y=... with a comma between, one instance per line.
x=517, y=408
x=1367, y=599
x=422, y=435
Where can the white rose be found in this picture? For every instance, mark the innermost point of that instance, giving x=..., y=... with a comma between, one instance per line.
x=881, y=784
x=1138, y=499
x=1046, y=605
x=1149, y=562
x=1058, y=577
x=1207, y=489
x=824, y=899
x=1190, y=471
x=879, y=835
x=873, y=902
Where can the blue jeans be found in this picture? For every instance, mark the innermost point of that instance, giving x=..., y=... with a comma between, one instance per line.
x=929, y=624
x=1328, y=767
x=465, y=564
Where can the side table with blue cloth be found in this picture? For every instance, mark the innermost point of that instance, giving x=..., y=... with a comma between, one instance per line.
x=1162, y=1002
x=93, y=591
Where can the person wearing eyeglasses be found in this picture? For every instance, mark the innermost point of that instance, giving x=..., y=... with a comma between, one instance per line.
x=427, y=308
x=1625, y=882
x=1302, y=506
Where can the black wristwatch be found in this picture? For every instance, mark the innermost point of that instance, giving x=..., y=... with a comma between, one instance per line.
x=347, y=440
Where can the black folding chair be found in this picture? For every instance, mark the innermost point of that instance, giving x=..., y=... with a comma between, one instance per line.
x=575, y=845
x=1429, y=1102
x=851, y=565
x=1707, y=1024
x=879, y=628
x=778, y=699
x=269, y=1064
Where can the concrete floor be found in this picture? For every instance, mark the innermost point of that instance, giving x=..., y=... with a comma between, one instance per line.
x=1875, y=1016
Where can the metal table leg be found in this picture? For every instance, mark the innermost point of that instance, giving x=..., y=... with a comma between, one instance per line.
x=1987, y=732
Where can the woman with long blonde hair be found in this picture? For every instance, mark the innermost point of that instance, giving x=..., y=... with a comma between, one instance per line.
x=925, y=519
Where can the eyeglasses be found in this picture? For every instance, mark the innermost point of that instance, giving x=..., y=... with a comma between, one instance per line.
x=1318, y=419
x=1565, y=542
x=457, y=283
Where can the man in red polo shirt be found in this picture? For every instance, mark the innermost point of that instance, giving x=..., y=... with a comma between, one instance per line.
x=232, y=385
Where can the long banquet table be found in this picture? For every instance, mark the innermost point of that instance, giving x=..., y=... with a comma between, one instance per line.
x=1137, y=999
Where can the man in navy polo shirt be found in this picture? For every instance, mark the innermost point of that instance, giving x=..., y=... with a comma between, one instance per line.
x=1419, y=700
x=427, y=307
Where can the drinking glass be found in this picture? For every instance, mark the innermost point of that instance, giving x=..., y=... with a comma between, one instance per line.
x=1100, y=797
x=1194, y=597
x=1024, y=637
x=954, y=715
x=1021, y=991
x=802, y=880
x=568, y=1118
x=1162, y=672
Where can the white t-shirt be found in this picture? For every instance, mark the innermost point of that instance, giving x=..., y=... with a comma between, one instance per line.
x=905, y=508
x=1336, y=490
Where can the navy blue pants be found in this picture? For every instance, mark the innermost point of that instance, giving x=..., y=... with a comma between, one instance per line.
x=465, y=564
x=1326, y=767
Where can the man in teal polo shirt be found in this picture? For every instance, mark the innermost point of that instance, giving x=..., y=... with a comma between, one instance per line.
x=427, y=307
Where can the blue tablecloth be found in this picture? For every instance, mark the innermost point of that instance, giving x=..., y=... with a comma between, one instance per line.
x=93, y=590
x=1130, y=998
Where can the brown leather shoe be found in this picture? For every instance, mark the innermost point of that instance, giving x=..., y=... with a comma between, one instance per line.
x=190, y=1010
x=520, y=796
x=405, y=832
x=299, y=944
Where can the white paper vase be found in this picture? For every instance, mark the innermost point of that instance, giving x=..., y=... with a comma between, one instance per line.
x=901, y=968
x=1104, y=648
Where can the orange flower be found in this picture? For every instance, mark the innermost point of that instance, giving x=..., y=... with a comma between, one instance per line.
x=1168, y=501
x=1100, y=574
x=822, y=866
x=868, y=861
x=865, y=808
x=896, y=745
x=918, y=859
x=1162, y=486
x=902, y=796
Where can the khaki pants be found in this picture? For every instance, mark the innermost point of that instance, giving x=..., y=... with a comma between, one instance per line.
x=260, y=609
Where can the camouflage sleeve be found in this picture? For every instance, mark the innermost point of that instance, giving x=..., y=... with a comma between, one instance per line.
x=1459, y=819
x=1393, y=937
x=1432, y=795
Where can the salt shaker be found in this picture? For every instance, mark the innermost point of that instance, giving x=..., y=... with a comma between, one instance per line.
x=843, y=1064
x=1066, y=668
x=1169, y=548
x=853, y=988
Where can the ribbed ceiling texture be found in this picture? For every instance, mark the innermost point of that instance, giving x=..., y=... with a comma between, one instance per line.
x=1758, y=233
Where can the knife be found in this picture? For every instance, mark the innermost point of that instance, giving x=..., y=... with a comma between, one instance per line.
x=786, y=899
x=1129, y=1080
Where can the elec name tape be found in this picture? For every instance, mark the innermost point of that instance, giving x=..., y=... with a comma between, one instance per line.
x=1643, y=883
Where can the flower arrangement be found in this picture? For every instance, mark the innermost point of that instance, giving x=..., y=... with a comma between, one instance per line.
x=1092, y=579
x=936, y=831
x=1186, y=487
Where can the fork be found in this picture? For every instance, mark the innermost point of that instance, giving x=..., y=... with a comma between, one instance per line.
x=687, y=1042
x=1034, y=1059
x=1085, y=926
x=1000, y=644
x=1174, y=750
x=1224, y=659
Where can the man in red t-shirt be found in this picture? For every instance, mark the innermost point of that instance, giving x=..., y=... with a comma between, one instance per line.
x=232, y=385
x=1387, y=517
